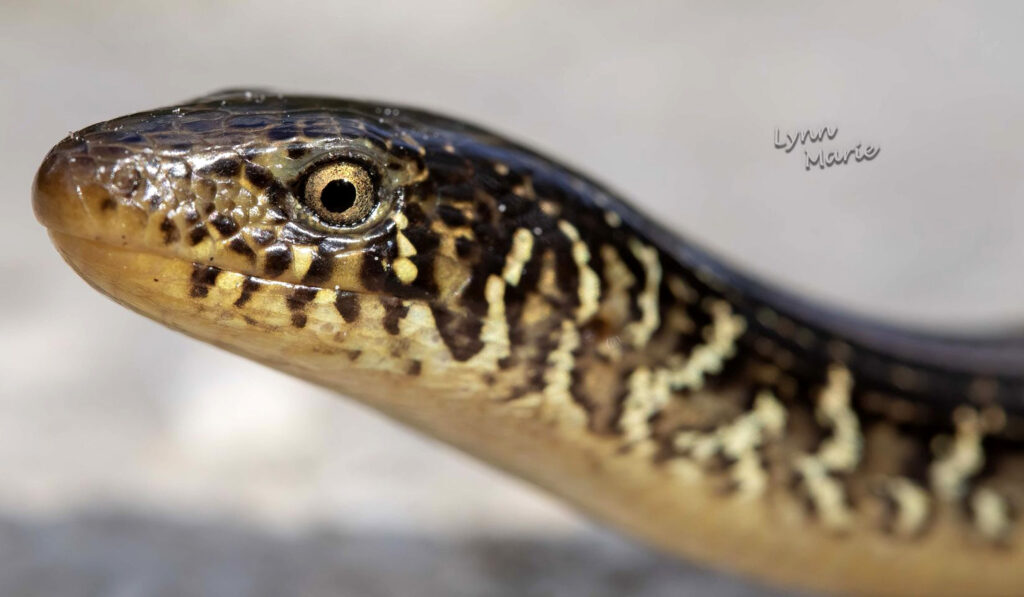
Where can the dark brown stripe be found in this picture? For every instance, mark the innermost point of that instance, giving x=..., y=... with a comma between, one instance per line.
x=169, y=230
x=276, y=195
x=197, y=234
x=373, y=273
x=249, y=286
x=577, y=387
x=223, y=167
x=297, y=303
x=466, y=248
x=394, y=311
x=259, y=176
x=319, y=270
x=451, y=215
x=203, y=276
x=461, y=334
x=225, y=225
x=238, y=245
x=279, y=257
x=347, y=305
x=297, y=150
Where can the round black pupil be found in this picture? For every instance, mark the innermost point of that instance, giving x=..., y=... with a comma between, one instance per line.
x=338, y=196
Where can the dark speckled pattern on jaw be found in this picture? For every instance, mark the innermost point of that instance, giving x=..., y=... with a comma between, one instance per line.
x=553, y=290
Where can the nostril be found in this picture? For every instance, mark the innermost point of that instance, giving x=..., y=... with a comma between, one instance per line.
x=125, y=181
x=82, y=189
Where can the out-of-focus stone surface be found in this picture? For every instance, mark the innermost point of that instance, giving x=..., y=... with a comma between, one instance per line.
x=134, y=461
x=127, y=554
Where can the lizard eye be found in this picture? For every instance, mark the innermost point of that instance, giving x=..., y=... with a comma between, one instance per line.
x=341, y=194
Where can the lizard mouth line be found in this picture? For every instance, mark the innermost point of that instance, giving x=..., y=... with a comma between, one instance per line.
x=84, y=253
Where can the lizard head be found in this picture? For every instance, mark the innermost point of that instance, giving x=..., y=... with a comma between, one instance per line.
x=379, y=250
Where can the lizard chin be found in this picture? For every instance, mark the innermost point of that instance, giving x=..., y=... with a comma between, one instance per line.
x=251, y=317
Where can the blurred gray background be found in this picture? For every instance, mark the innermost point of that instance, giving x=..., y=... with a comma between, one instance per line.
x=252, y=483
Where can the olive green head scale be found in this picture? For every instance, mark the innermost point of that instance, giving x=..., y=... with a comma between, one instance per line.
x=508, y=305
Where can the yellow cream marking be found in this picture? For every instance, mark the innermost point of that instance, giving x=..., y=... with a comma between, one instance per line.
x=639, y=332
x=962, y=460
x=203, y=250
x=719, y=345
x=648, y=394
x=826, y=493
x=547, y=281
x=991, y=514
x=749, y=476
x=842, y=450
x=525, y=189
x=420, y=328
x=327, y=296
x=405, y=269
x=589, y=286
x=739, y=441
x=229, y=280
x=518, y=256
x=302, y=258
x=839, y=453
x=400, y=220
x=405, y=247
x=558, y=404
x=912, y=506
x=615, y=270
x=494, y=332
x=550, y=208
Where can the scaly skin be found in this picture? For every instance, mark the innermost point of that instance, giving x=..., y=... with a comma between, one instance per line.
x=518, y=310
